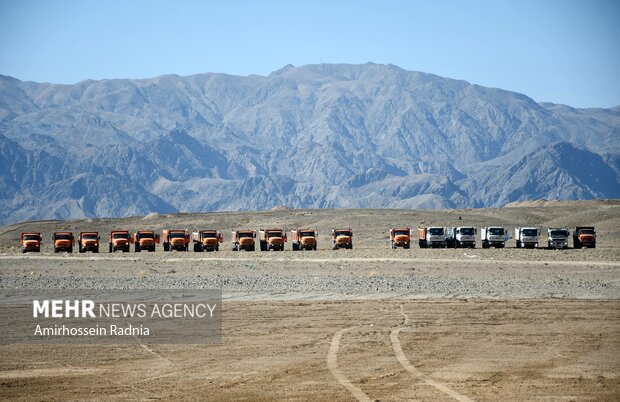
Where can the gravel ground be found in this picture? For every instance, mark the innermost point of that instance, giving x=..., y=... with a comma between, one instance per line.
x=333, y=275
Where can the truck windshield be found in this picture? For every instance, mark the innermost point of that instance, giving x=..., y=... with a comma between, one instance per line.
x=342, y=233
x=63, y=237
x=31, y=237
x=146, y=236
x=467, y=231
x=275, y=233
x=89, y=236
x=496, y=231
x=120, y=236
x=245, y=235
x=177, y=235
x=209, y=235
x=436, y=231
x=530, y=232
x=559, y=233
x=586, y=231
x=401, y=233
x=306, y=234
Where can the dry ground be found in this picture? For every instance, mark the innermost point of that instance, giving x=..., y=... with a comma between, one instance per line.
x=368, y=324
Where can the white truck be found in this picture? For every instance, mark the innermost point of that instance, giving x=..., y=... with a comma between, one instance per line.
x=493, y=236
x=432, y=237
x=527, y=237
x=557, y=238
x=461, y=237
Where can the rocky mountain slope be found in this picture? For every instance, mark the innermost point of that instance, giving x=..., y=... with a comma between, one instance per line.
x=313, y=136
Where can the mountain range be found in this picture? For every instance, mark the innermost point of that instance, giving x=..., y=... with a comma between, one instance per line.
x=316, y=136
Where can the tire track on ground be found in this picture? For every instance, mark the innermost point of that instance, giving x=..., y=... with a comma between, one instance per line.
x=332, y=364
x=402, y=359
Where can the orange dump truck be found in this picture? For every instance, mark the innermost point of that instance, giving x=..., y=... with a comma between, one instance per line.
x=175, y=239
x=88, y=241
x=342, y=238
x=584, y=236
x=145, y=240
x=400, y=238
x=119, y=240
x=272, y=239
x=304, y=239
x=207, y=240
x=243, y=239
x=63, y=241
x=31, y=241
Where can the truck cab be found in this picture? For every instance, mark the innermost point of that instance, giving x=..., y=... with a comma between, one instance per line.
x=493, y=236
x=433, y=236
x=462, y=236
x=88, y=241
x=272, y=239
x=243, y=239
x=31, y=241
x=557, y=238
x=527, y=237
x=400, y=237
x=342, y=238
x=119, y=240
x=304, y=239
x=63, y=241
x=145, y=240
x=207, y=240
x=175, y=239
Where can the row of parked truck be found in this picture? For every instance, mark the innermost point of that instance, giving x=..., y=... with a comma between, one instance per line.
x=494, y=236
x=180, y=240
x=306, y=239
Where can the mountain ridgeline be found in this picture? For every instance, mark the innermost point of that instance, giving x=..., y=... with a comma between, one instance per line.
x=317, y=136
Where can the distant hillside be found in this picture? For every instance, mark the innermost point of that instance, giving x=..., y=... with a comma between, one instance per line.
x=314, y=136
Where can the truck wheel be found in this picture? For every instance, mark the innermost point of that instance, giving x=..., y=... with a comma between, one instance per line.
x=21, y=248
x=217, y=248
x=110, y=248
x=408, y=245
x=295, y=247
x=96, y=250
x=70, y=249
x=485, y=244
x=186, y=247
x=137, y=248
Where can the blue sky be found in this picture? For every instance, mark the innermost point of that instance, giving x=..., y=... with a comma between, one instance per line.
x=564, y=51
